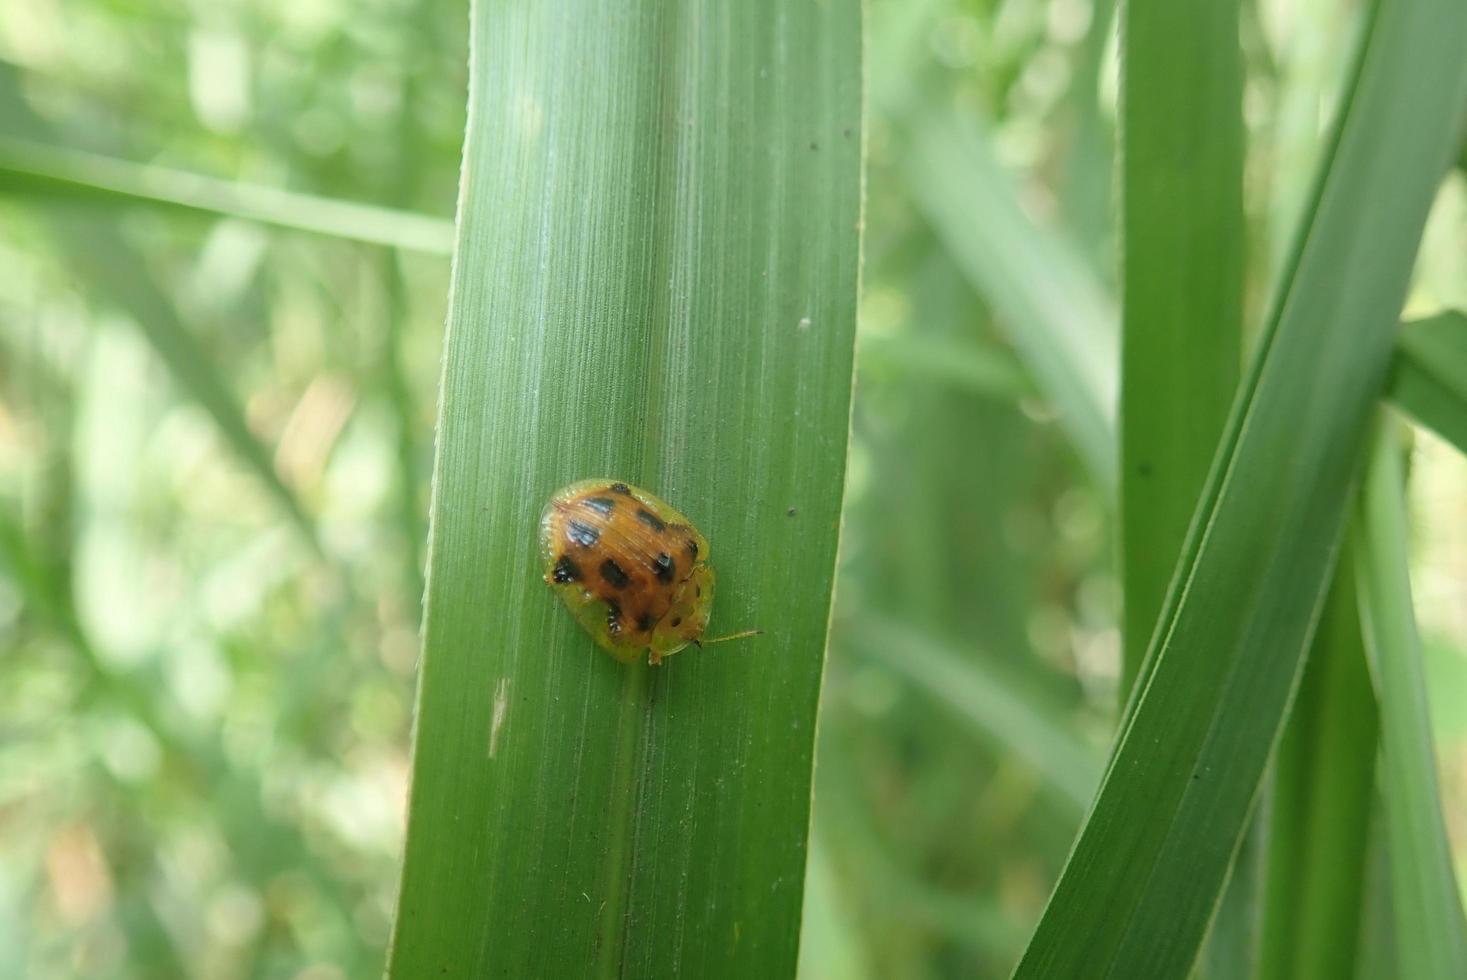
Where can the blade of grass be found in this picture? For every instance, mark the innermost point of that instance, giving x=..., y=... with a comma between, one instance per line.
x=1319, y=814
x=1182, y=240
x=1378, y=939
x=35, y=169
x=1182, y=284
x=654, y=280
x=1429, y=378
x=1146, y=872
x=1430, y=928
x=1231, y=950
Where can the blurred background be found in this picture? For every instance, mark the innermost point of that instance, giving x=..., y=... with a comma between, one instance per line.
x=216, y=437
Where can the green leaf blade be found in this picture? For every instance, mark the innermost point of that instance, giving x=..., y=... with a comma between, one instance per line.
x=1319, y=815
x=1430, y=927
x=1429, y=379
x=34, y=169
x=654, y=281
x=1146, y=873
x=1182, y=286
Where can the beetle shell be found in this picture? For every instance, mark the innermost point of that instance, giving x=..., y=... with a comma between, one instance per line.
x=631, y=569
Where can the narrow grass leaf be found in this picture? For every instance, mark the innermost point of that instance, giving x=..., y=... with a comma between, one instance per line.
x=1431, y=932
x=654, y=281
x=35, y=169
x=1182, y=237
x=1429, y=378
x=1319, y=815
x=1231, y=950
x=1378, y=954
x=1145, y=875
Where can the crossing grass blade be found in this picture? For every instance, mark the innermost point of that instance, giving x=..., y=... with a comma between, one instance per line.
x=1145, y=875
x=31, y=168
x=1429, y=378
x=1430, y=929
x=1319, y=814
x=654, y=280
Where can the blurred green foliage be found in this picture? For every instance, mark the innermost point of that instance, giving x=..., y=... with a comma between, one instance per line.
x=206, y=718
x=215, y=437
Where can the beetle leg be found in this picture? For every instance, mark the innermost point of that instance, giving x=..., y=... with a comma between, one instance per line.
x=655, y=658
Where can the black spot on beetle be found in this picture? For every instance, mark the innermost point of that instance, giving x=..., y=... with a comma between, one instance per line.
x=613, y=618
x=645, y=622
x=582, y=534
x=566, y=570
x=614, y=575
x=698, y=591
x=677, y=621
x=651, y=520
x=693, y=549
x=620, y=488
x=664, y=567
x=601, y=505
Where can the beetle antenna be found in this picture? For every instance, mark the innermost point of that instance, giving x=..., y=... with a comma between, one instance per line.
x=732, y=636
